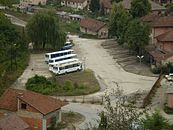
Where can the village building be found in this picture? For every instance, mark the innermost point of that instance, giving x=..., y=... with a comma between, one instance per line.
x=78, y=4
x=26, y=3
x=94, y=27
x=160, y=49
x=155, y=7
x=162, y=25
x=12, y=122
x=37, y=110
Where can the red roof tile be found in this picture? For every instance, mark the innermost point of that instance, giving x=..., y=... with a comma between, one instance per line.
x=91, y=24
x=166, y=37
x=150, y=17
x=166, y=21
x=157, y=54
x=13, y=122
x=44, y=104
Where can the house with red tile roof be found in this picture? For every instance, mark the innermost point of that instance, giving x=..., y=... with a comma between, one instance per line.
x=78, y=4
x=12, y=122
x=165, y=41
x=37, y=110
x=94, y=27
x=161, y=48
x=160, y=26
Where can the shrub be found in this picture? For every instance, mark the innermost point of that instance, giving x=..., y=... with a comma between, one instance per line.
x=40, y=84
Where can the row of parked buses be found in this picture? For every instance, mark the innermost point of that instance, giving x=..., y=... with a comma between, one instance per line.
x=64, y=61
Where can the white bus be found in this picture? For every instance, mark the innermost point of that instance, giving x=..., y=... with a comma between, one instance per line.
x=67, y=67
x=51, y=65
x=51, y=55
x=61, y=58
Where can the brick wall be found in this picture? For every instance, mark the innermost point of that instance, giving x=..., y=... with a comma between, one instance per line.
x=166, y=46
x=34, y=124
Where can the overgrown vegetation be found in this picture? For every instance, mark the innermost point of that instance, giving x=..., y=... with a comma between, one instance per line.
x=121, y=114
x=165, y=69
x=13, y=52
x=79, y=83
x=167, y=109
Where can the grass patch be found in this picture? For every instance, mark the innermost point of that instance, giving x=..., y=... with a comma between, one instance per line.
x=73, y=84
x=22, y=16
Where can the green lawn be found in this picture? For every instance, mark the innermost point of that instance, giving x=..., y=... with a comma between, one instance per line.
x=22, y=16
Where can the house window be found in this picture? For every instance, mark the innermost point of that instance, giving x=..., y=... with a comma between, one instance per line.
x=23, y=106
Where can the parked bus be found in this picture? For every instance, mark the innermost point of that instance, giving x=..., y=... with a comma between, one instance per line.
x=51, y=65
x=61, y=58
x=67, y=67
x=51, y=55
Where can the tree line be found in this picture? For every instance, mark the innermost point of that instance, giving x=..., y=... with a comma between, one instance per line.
x=13, y=52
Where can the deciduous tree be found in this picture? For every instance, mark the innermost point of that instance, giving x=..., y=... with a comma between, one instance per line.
x=137, y=35
x=44, y=30
x=140, y=8
x=118, y=24
x=155, y=121
x=94, y=6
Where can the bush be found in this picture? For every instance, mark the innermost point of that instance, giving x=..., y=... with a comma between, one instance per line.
x=41, y=85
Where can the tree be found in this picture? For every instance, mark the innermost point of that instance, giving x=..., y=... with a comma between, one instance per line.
x=140, y=8
x=44, y=30
x=118, y=24
x=6, y=2
x=170, y=8
x=137, y=35
x=155, y=121
x=94, y=6
x=120, y=114
x=102, y=11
